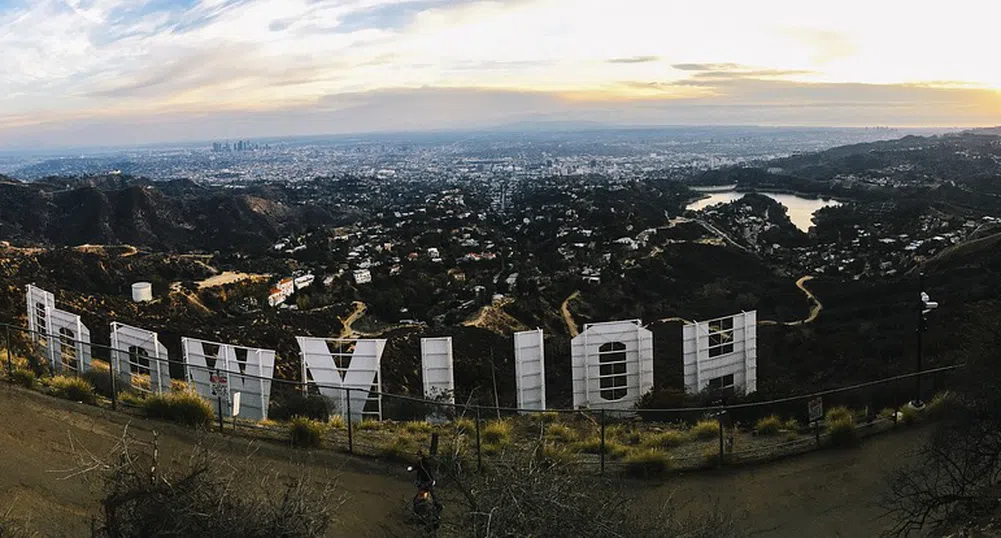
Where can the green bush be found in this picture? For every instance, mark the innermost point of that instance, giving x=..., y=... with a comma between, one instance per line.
x=910, y=415
x=25, y=378
x=185, y=408
x=100, y=379
x=497, y=432
x=73, y=388
x=705, y=429
x=665, y=439
x=841, y=430
x=296, y=404
x=646, y=463
x=769, y=425
x=561, y=433
x=304, y=432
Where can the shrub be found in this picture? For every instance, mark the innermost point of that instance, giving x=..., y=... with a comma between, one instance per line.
x=839, y=413
x=792, y=425
x=665, y=439
x=73, y=388
x=99, y=378
x=705, y=429
x=547, y=417
x=418, y=426
x=769, y=425
x=910, y=415
x=943, y=404
x=646, y=463
x=337, y=422
x=497, y=432
x=25, y=378
x=296, y=404
x=561, y=433
x=841, y=430
x=179, y=385
x=368, y=425
x=710, y=458
x=185, y=408
x=306, y=433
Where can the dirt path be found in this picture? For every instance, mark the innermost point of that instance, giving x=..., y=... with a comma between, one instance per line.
x=228, y=277
x=39, y=437
x=815, y=307
x=567, y=316
x=192, y=298
x=492, y=317
x=358, y=312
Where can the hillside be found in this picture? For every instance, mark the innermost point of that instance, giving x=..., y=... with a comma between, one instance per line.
x=174, y=216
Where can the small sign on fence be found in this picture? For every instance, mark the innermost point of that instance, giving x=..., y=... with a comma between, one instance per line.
x=220, y=384
x=816, y=407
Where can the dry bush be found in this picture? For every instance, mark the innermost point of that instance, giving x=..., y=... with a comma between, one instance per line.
x=23, y=377
x=769, y=425
x=306, y=433
x=647, y=463
x=532, y=498
x=705, y=429
x=497, y=432
x=73, y=388
x=145, y=499
x=665, y=439
x=185, y=408
x=561, y=433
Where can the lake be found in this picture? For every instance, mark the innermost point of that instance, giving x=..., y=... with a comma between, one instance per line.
x=801, y=209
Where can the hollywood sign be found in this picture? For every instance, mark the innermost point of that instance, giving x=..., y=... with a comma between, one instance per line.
x=611, y=363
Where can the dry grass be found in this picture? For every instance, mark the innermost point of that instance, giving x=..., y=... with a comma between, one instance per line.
x=73, y=388
x=664, y=440
x=705, y=429
x=306, y=433
x=185, y=408
x=647, y=463
x=497, y=432
x=770, y=425
x=561, y=433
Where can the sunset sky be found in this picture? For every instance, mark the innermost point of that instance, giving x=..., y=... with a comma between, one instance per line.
x=123, y=71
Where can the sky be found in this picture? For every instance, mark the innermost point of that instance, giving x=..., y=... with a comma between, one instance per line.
x=101, y=72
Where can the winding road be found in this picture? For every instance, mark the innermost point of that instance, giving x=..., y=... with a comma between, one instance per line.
x=567, y=316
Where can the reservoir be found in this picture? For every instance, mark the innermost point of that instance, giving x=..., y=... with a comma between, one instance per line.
x=800, y=209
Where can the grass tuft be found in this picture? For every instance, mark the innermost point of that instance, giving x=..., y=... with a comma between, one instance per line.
x=73, y=388
x=337, y=422
x=770, y=425
x=25, y=378
x=306, y=433
x=664, y=440
x=418, y=426
x=561, y=433
x=185, y=408
x=705, y=429
x=497, y=432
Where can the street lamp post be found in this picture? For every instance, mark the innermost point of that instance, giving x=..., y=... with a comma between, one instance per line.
x=925, y=305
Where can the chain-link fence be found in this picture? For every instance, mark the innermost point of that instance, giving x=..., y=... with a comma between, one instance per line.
x=365, y=421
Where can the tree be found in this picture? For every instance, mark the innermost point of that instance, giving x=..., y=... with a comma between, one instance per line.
x=958, y=473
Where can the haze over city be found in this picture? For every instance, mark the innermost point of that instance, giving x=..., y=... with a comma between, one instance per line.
x=83, y=72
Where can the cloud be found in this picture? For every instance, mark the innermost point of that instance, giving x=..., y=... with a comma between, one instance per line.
x=708, y=67
x=635, y=60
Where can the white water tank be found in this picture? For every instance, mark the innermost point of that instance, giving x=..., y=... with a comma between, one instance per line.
x=142, y=292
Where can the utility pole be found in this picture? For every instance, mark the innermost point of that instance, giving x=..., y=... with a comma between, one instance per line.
x=925, y=305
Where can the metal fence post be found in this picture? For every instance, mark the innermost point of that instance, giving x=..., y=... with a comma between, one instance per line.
x=479, y=452
x=111, y=376
x=351, y=440
x=719, y=418
x=602, y=451
x=10, y=360
x=219, y=399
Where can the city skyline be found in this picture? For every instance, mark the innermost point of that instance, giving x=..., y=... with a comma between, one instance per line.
x=79, y=72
